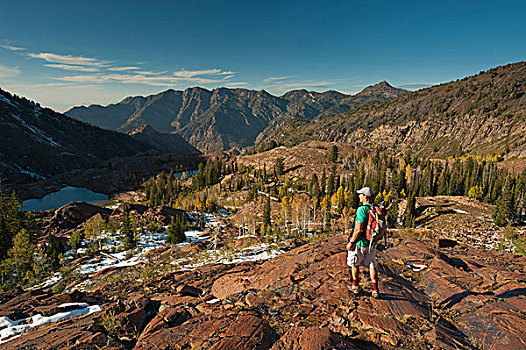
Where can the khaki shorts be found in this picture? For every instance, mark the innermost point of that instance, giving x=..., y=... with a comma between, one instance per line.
x=361, y=256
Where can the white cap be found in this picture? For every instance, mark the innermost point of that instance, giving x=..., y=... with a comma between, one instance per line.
x=366, y=191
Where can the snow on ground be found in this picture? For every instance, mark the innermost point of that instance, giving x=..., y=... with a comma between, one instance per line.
x=253, y=253
x=210, y=220
x=15, y=328
x=147, y=241
x=113, y=206
x=51, y=281
x=416, y=267
x=6, y=100
x=152, y=240
x=40, y=135
x=268, y=195
x=460, y=211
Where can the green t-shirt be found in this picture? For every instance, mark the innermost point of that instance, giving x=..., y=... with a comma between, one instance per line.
x=362, y=215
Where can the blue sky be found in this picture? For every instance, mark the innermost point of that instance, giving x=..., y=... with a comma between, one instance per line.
x=67, y=53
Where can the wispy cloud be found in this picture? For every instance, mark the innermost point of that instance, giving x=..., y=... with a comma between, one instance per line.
x=69, y=59
x=278, y=78
x=122, y=69
x=73, y=68
x=12, y=48
x=7, y=72
x=98, y=71
x=147, y=72
x=194, y=73
x=158, y=80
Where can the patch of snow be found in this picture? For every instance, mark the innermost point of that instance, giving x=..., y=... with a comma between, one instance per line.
x=80, y=305
x=253, y=253
x=416, y=267
x=246, y=236
x=6, y=321
x=30, y=173
x=38, y=111
x=192, y=236
x=14, y=328
x=213, y=301
x=113, y=206
x=51, y=281
x=460, y=211
x=268, y=195
x=6, y=100
x=41, y=136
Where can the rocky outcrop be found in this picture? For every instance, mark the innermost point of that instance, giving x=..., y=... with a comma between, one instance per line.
x=71, y=215
x=456, y=297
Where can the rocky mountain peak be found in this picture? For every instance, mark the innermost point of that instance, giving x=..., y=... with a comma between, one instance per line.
x=383, y=88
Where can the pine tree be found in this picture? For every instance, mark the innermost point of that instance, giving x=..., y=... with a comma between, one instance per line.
x=392, y=214
x=333, y=155
x=505, y=209
x=128, y=231
x=323, y=183
x=279, y=167
x=409, y=217
x=19, y=265
x=314, y=186
x=171, y=232
x=266, y=212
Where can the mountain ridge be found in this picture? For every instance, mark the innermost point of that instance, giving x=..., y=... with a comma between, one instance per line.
x=481, y=114
x=222, y=118
x=40, y=143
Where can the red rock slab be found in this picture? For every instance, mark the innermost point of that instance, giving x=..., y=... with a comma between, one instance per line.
x=412, y=250
x=175, y=300
x=313, y=338
x=77, y=332
x=445, y=292
x=447, y=268
x=511, y=289
x=166, y=318
x=401, y=302
x=223, y=330
x=369, y=320
x=495, y=326
x=471, y=303
x=279, y=271
x=446, y=336
x=132, y=320
x=230, y=284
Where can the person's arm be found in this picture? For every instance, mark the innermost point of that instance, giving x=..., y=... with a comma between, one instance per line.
x=352, y=242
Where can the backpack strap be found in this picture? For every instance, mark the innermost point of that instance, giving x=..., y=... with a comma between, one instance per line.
x=349, y=236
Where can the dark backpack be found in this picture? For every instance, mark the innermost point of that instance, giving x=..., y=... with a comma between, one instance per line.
x=376, y=226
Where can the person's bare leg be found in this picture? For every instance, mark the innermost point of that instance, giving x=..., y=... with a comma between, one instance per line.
x=355, y=273
x=374, y=275
x=374, y=279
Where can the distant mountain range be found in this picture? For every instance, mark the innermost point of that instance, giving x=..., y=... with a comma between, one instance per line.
x=37, y=142
x=224, y=119
x=481, y=114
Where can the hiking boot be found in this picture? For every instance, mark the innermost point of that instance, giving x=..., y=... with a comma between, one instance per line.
x=375, y=294
x=355, y=289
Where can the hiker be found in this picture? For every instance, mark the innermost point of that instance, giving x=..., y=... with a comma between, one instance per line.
x=359, y=250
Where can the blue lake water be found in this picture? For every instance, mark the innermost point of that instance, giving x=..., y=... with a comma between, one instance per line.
x=188, y=173
x=64, y=196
